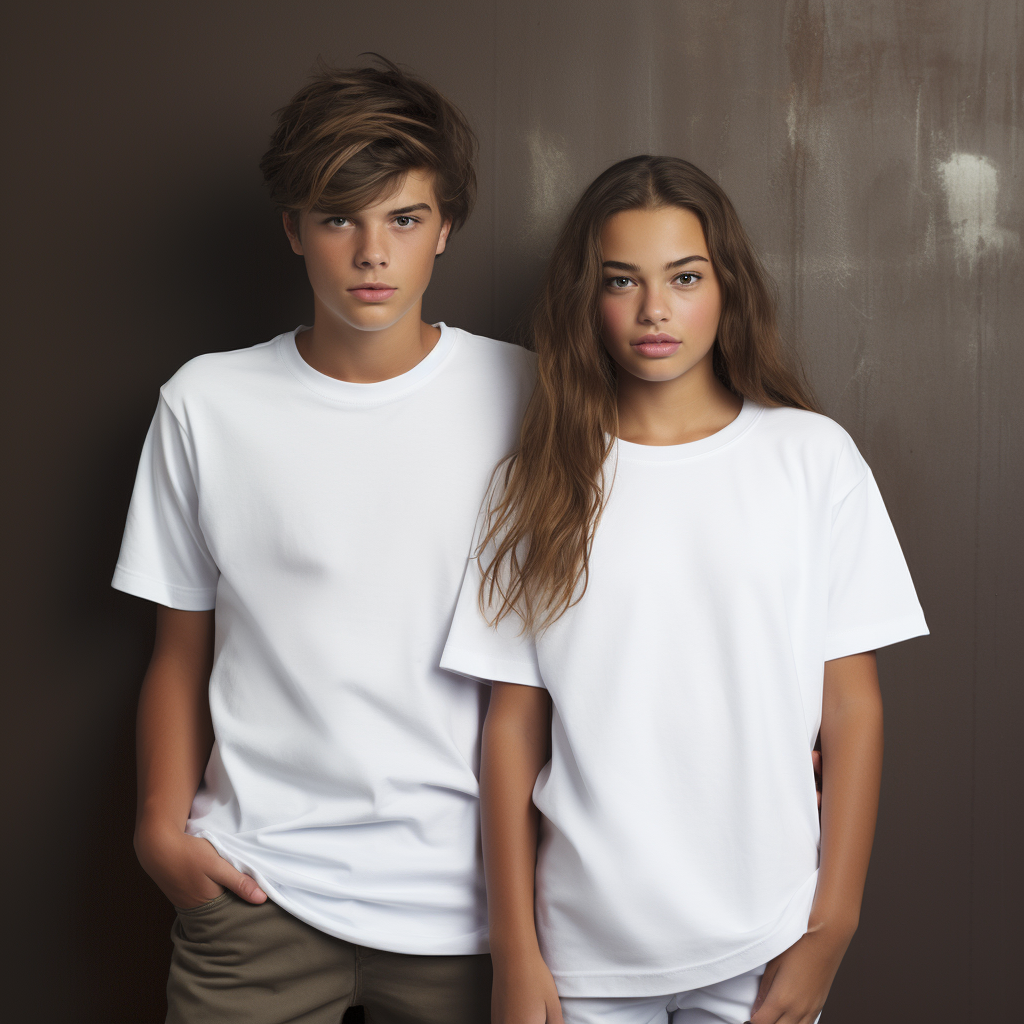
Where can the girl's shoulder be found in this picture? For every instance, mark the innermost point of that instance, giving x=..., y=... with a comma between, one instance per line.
x=822, y=445
x=784, y=423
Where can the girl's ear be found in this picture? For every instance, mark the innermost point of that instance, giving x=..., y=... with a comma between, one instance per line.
x=291, y=229
x=442, y=239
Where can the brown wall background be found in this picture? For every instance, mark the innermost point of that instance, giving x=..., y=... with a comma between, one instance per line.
x=874, y=150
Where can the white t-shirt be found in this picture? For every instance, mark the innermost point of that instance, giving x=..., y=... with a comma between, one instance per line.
x=329, y=523
x=680, y=828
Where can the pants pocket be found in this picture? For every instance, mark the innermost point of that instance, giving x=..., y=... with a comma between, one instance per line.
x=214, y=918
x=208, y=905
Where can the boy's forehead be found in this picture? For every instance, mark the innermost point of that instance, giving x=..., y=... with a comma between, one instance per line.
x=409, y=188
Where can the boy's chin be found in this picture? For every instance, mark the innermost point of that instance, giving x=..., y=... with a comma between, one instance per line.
x=379, y=318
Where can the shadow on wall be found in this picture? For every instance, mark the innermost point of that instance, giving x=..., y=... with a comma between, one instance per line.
x=233, y=279
x=224, y=278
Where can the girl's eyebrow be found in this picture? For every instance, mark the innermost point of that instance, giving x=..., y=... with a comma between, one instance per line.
x=615, y=265
x=685, y=259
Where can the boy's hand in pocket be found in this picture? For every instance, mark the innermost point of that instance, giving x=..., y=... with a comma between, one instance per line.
x=188, y=870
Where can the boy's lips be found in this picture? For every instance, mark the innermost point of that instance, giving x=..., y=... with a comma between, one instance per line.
x=373, y=292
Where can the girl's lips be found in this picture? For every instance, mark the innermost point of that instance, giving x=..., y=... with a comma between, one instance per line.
x=657, y=346
x=372, y=294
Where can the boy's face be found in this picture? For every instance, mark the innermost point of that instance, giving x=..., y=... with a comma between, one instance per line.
x=369, y=268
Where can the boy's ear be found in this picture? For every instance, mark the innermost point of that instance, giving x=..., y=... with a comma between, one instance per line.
x=442, y=239
x=291, y=229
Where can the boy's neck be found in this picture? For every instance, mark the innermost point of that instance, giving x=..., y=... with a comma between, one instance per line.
x=689, y=408
x=339, y=350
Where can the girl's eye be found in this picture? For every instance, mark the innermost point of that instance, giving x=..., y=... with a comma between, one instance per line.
x=619, y=282
x=688, y=278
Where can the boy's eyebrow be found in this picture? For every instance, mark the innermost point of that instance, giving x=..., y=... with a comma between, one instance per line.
x=409, y=209
x=615, y=265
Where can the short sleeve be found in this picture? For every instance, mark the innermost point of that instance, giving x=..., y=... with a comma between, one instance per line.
x=164, y=556
x=872, y=602
x=502, y=653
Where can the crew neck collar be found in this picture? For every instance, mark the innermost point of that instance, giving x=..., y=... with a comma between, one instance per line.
x=377, y=392
x=749, y=413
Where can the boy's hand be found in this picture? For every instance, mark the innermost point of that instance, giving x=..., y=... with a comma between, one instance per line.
x=188, y=870
x=796, y=983
x=524, y=993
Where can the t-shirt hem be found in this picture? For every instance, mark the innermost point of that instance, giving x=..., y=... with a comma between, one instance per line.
x=189, y=599
x=488, y=668
x=460, y=946
x=790, y=926
x=870, y=638
x=684, y=979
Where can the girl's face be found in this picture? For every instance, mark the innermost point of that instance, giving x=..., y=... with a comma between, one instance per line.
x=660, y=300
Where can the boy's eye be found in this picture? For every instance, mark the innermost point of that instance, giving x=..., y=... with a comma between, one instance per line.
x=338, y=222
x=404, y=222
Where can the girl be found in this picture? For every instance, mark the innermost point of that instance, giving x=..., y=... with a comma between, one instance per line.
x=684, y=575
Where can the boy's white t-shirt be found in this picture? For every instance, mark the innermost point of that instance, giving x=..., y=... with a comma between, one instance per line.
x=328, y=524
x=680, y=827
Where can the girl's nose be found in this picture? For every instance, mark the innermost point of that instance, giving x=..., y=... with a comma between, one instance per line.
x=654, y=309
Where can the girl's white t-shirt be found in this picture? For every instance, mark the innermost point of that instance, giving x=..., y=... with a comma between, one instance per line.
x=328, y=524
x=680, y=828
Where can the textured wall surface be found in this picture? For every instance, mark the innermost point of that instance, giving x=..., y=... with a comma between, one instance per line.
x=874, y=151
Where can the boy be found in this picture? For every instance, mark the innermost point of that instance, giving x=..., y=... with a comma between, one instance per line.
x=302, y=516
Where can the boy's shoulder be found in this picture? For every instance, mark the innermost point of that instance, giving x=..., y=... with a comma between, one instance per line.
x=212, y=373
x=504, y=353
x=496, y=369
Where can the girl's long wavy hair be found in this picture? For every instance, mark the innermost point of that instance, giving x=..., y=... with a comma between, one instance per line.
x=547, y=496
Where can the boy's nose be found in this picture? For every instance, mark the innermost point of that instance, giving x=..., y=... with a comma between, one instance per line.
x=371, y=252
x=371, y=258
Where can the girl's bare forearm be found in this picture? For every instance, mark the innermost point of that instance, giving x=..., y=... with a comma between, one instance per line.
x=851, y=748
x=516, y=745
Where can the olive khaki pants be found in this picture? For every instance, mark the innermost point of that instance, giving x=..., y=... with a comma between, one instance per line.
x=256, y=964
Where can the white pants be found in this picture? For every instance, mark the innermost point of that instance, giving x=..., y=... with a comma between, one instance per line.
x=726, y=1002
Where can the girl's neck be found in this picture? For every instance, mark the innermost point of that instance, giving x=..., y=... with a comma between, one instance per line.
x=687, y=408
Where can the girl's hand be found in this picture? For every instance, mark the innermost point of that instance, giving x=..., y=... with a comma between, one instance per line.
x=524, y=993
x=796, y=983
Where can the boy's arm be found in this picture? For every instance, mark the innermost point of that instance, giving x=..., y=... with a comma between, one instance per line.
x=174, y=739
x=795, y=984
x=516, y=745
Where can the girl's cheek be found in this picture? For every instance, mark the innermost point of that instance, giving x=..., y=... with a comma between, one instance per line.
x=704, y=316
x=711, y=318
x=615, y=321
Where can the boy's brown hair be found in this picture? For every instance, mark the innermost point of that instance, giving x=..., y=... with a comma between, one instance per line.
x=348, y=137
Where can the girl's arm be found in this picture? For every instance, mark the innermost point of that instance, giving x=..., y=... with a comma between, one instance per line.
x=516, y=745
x=795, y=984
x=174, y=738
